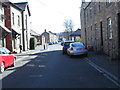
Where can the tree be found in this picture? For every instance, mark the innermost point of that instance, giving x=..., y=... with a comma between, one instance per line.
x=68, y=24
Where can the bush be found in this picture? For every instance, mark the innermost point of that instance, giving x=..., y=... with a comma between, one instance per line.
x=78, y=40
x=33, y=43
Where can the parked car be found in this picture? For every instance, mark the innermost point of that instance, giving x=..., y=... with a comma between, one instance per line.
x=65, y=45
x=62, y=42
x=6, y=59
x=77, y=48
x=50, y=43
x=38, y=43
x=56, y=42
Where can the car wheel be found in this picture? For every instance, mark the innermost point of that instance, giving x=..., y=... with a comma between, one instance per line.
x=68, y=54
x=86, y=55
x=71, y=56
x=13, y=65
x=2, y=68
x=63, y=52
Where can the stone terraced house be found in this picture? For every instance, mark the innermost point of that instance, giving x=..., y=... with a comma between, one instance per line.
x=100, y=27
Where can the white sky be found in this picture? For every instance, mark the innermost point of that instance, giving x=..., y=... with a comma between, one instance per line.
x=50, y=14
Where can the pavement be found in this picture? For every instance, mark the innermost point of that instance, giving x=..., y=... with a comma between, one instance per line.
x=103, y=62
x=106, y=65
x=28, y=52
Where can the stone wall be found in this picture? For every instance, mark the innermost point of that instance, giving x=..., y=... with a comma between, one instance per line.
x=94, y=17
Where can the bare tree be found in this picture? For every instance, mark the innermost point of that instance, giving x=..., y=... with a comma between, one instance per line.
x=68, y=24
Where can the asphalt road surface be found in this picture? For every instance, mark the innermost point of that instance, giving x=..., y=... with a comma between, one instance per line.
x=52, y=69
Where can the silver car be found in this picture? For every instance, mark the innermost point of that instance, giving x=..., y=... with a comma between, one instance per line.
x=77, y=48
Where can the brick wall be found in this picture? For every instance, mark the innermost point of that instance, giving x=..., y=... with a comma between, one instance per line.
x=8, y=25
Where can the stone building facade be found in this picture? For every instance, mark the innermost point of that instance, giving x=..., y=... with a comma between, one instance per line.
x=100, y=27
x=49, y=37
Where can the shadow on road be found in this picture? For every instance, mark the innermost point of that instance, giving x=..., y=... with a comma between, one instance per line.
x=34, y=62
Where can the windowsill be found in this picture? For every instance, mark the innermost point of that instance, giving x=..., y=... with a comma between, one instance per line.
x=109, y=38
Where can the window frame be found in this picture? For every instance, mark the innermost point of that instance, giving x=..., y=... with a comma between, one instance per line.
x=96, y=31
x=109, y=28
x=108, y=2
x=13, y=18
x=18, y=20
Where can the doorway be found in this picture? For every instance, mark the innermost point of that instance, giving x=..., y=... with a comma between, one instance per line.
x=101, y=35
x=119, y=35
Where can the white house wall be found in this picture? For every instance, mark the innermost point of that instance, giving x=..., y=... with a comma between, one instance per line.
x=27, y=40
x=16, y=27
x=1, y=13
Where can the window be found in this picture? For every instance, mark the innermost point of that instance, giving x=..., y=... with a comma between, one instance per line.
x=1, y=13
x=91, y=32
x=109, y=28
x=4, y=51
x=1, y=8
x=100, y=5
x=86, y=15
x=94, y=7
x=90, y=11
x=108, y=2
x=77, y=45
x=96, y=32
x=88, y=34
x=18, y=20
x=13, y=22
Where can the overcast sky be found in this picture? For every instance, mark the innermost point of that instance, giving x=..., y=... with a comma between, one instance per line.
x=50, y=14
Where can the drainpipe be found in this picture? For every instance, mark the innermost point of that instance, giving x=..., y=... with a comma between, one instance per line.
x=23, y=35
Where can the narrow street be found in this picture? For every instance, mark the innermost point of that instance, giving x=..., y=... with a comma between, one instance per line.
x=52, y=69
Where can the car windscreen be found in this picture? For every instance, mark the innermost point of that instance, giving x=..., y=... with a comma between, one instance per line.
x=4, y=51
x=67, y=43
x=77, y=45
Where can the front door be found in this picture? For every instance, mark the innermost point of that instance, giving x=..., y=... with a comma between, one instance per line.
x=119, y=33
x=101, y=34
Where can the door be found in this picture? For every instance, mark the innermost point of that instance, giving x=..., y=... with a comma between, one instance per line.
x=85, y=37
x=101, y=35
x=119, y=34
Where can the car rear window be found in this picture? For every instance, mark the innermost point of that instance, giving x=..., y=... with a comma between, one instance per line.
x=67, y=43
x=77, y=45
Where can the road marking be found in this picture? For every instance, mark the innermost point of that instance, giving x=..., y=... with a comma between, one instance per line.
x=30, y=65
x=41, y=65
x=38, y=60
x=111, y=77
x=36, y=75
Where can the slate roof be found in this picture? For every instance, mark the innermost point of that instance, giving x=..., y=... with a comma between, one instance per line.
x=15, y=6
x=22, y=5
x=52, y=33
x=44, y=33
x=76, y=33
x=33, y=33
x=49, y=32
